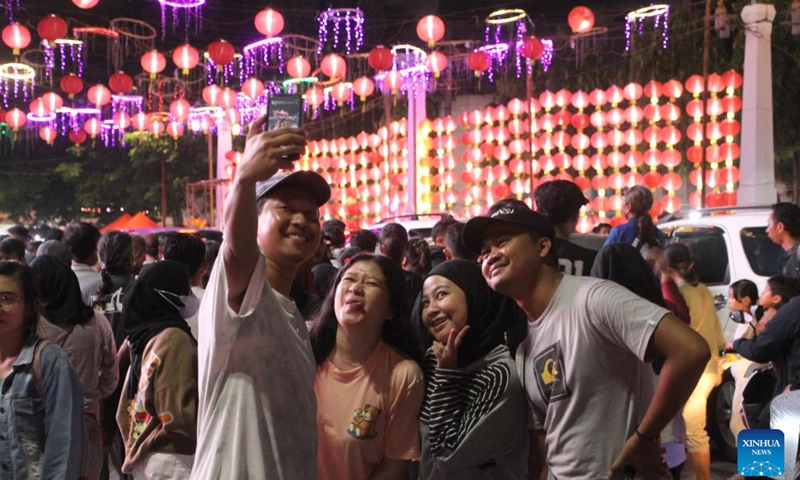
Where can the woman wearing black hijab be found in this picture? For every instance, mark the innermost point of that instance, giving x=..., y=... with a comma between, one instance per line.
x=473, y=415
x=87, y=339
x=157, y=414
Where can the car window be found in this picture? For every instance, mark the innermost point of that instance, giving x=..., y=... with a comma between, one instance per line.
x=762, y=253
x=709, y=252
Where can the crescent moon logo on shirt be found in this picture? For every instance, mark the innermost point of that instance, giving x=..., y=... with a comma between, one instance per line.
x=549, y=373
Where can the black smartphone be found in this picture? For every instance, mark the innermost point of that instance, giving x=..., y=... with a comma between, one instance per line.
x=284, y=111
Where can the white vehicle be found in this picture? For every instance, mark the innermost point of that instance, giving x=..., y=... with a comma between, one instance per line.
x=417, y=225
x=728, y=244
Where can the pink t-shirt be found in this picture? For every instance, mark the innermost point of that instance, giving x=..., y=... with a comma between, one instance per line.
x=367, y=413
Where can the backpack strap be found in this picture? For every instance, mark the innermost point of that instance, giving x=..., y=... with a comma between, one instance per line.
x=37, y=365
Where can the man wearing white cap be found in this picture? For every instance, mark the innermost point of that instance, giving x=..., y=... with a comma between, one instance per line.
x=594, y=413
x=257, y=411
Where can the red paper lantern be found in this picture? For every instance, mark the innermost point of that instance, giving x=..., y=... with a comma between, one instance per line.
x=653, y=89
x=122, y=120
x=175, y=129
x=93, y=127
x=221, y=52
x=363, y=87
x=381, y=58
x=269, y=22
x=141, y=121
x=180, y=109
x=51, y=28
x=437, y=62
x=652, y=179
x=333, y=66
x=478, y=62
x=186, y=58
x=211, y=94
x=153, y=62
x=532, y=48
x=38, y=108
x=633, y=91
x=253, y=87
x=85, y=4
x=393, y=81
x=430, y=29
x=314, y=96
x=52, y=101
x=120, y=83
x=580, y=19
x=227, y=98
x=99, y=95
x=71, y=84
x=598, y=97
x=298, y=67
x=77, y=136
x=342, y=93
x=732, y=79
x=695, y=85
x=672, y=89
x=157, y=127
x=16, y=36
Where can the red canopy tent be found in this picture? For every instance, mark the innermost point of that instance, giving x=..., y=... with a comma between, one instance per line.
x=140, y=220
x=119, y=223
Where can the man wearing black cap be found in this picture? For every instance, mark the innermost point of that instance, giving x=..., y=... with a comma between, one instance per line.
x=594, y=413
x=257, y=412
x=560, y=202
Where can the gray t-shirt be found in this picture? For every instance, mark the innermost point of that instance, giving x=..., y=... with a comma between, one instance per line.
x=257, y=411
x=584, y=373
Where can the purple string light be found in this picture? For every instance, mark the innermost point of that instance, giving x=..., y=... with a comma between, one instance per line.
x=547, y=55
x=635, y=21
x=353, y=21
x=268, y=51
x=189, y=8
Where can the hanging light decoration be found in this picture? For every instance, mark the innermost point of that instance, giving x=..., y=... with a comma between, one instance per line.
x=189, y=8
x=298, y=67
x=253, y=88
x=363, y=87
x=179, y=109
x=333, y=66
x=186, y=58
x=221, y=52
x=52, y=101
x=580, y=19
x=99, y=95
x=16, y=36
x=77, y=137
x=52, y=28
x=634, y=22
x=437, y=62
x=335, y=22
x=120, y=83
x=393, y=81
x=430, y=29
x=211, y=94
x=153, y=62
x=85, y=4
x=269, y=22
x=380, y=58
x=342, y=92
x=71, y=84
x=478, y=62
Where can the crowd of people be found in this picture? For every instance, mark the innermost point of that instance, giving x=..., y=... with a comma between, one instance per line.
x=288, y=351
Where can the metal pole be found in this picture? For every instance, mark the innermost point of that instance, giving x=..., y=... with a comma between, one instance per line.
x=163, y=192
x=704, y=98
x=210, y=178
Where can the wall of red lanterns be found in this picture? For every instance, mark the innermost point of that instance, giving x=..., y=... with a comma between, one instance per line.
x=603, y=140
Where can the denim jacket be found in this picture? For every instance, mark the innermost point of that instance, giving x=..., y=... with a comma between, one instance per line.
x=41, y=439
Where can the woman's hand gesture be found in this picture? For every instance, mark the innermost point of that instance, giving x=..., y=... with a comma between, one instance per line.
x=447, y=353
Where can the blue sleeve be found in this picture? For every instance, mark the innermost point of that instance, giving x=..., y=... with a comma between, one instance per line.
x=770, y=345
x=613, y=236
x=63, y=423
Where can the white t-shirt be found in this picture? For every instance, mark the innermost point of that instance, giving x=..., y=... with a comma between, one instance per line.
x=584, y=373
x=257, y=410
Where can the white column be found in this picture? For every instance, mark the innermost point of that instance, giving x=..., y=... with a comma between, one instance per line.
x=757, y=184
x=416, y=114
x=224, y=145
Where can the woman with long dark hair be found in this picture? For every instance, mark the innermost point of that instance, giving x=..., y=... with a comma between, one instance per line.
x=639, y=230
x=471, y=418
x=86, y=337
x=41, y=405
x=368, y=383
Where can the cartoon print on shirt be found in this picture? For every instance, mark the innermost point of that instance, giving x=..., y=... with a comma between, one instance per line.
x=363, y=426
x=549, y=373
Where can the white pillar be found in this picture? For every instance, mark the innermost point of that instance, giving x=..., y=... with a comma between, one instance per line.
x=224, y=145
x=757, y=185
x=416, y=114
